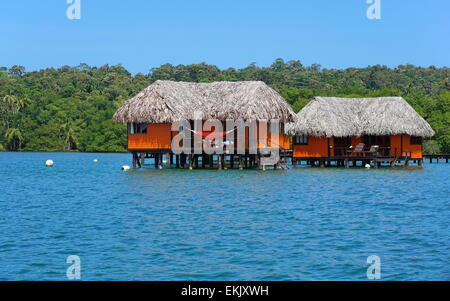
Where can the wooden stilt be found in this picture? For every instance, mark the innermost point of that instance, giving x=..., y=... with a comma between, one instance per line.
x=168, y=158
x=156, y=160
x=183, y=160
x=190, y=161
x=241, y=162
x=211, y=161
x=203, y=160
x=196, y=160
x=134, y=160
x=219, y=165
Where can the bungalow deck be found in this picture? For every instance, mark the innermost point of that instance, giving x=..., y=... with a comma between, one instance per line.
x=355, y=161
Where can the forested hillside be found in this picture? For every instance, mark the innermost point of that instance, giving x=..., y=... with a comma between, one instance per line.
x=70, y=108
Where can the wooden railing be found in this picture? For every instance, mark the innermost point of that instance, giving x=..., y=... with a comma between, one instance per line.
x=349, y=152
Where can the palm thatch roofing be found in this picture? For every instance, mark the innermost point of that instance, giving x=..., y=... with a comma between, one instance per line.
x=170, y=101
x=343, y=117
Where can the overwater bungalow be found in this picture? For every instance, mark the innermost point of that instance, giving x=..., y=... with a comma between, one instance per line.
x=158, y=114
x=344, y=131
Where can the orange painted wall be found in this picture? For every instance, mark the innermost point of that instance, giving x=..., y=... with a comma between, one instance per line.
x=317, y=147
x=415, y=149
x=396, y=145
x=157, y=137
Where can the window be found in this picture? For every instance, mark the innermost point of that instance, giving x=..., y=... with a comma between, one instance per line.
x=300, y=140
x=138, y=128
x=416, y=140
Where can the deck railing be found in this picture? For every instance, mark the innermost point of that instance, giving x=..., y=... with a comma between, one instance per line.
x=349, y=152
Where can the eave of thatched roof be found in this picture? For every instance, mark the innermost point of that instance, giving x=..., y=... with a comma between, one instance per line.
x=342, y=117
x=169, y=101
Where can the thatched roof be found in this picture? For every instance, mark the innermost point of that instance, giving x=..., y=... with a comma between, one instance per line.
x=169, y=101
x=342, y=117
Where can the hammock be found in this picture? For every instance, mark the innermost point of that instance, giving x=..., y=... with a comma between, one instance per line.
x=211, y=135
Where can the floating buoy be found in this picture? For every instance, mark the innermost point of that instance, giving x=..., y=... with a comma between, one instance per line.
x=160, y=167
x=125, y=167
x=49, y=163
x=95, y=160
x=367, y=166
x=164, y=161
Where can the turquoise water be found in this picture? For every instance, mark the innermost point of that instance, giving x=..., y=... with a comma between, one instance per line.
x=300, y=224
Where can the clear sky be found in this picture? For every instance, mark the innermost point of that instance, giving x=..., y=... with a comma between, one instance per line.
x=141, y=34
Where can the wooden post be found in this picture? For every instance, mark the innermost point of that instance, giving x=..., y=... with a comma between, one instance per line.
x=419, y=162
x=346, y=163
x=138, y=161
x=241, y=162
x=190, y=161
x=168, y=159
x=156, y=160
x=134, y=160
x=196, y=160
x=322, y=163
x=183, y=160
x=224, y=161
x=211, y=161
x=219, y=164
x=142, y=158
x=177, y=161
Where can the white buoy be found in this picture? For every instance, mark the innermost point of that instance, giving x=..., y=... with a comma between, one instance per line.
x=367, y=166
x=95, y=160
x=49, y=163
x=125, y=167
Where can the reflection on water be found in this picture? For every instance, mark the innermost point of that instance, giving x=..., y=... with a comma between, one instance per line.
x=299, y=224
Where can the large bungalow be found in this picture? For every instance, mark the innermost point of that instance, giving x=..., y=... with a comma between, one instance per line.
x=367, y=130
x=151, y=115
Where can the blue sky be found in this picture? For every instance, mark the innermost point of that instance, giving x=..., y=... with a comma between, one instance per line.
x=141, y=34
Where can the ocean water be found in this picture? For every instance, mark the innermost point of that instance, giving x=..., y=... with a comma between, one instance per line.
x=299, y=224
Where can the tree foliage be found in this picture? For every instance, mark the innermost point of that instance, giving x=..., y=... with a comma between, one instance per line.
x=70, y=108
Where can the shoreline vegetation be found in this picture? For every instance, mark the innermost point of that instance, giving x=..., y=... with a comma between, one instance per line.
x=70, y=109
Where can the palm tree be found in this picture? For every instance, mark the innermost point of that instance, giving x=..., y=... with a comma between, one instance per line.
x=69, y=136
x=14, y=139
x=10, y=106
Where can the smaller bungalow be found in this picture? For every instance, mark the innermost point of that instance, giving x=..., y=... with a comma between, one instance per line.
x=366, y=130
